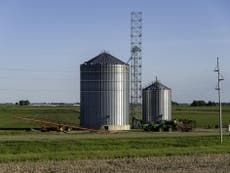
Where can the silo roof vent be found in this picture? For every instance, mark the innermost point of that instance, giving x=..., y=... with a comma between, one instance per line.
x=105, y=58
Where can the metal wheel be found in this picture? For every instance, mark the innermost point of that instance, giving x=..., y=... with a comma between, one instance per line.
x=170, y=129
x=161, y=129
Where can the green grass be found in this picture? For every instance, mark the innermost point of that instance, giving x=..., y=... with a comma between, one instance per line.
x=110, y=148
x=63, y=114
x=205, y=116
x=103, y=147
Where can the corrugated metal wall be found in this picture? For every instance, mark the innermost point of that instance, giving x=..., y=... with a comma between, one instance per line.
x=156, y=102
x=104, y=95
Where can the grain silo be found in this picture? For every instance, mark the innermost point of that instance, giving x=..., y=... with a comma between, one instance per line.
x=105, y=93
x=156, y=103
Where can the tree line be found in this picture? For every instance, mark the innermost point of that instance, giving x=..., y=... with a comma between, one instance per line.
x=23, y=102
x=201, y=103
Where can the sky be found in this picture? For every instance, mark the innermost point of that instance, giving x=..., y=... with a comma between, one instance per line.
x=43, y=43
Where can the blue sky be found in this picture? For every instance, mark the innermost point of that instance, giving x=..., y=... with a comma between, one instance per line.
x=43, y=43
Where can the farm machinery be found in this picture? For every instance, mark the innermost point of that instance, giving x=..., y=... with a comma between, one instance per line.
x=169, y=126
x=59, y=127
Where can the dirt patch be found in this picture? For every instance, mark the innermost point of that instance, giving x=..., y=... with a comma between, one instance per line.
x=180, y=164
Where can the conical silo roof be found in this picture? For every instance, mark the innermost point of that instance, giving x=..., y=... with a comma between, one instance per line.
x=105, y=58
x=157, y=86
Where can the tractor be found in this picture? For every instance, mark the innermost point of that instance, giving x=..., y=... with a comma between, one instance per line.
x=169, y=126
x=161, y=126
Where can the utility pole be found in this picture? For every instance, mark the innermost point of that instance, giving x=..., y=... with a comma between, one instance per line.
x=136, y=64
x=219, y=79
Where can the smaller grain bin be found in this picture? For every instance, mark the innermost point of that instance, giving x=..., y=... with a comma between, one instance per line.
x=156, y=103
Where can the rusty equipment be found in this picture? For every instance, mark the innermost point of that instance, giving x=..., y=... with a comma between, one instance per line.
x=59, y=126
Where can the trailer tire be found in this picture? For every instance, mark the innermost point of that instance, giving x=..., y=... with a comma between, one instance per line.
x=149, y=128
x=161, y=129
x=170, y=129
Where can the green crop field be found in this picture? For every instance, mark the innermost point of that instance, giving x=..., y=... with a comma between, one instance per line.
x=205, y=117
x=59, y=152
x=125, y=152
x=110, y=147
x=62, y=114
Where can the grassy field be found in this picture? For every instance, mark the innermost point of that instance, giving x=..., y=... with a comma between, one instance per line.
x=109, y=147
x=62, y=114
x=205, y=117
x=133, y=151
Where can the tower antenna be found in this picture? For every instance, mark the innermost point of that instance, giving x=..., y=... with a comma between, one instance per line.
x=218, y=88
x=136, y=64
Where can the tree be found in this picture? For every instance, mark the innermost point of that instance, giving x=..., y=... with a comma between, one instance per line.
x=174, y=103
x=198, y=103
x=210, y=103
x=24, y=102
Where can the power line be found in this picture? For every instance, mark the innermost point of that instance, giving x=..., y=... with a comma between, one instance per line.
x=34, y=90
x=32, y=78
x=36, y=70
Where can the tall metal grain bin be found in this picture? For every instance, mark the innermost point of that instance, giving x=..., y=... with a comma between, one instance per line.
x=105, y=93
x=156, y=103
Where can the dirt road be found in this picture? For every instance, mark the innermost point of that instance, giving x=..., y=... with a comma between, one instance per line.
x=27, y=136
x=173, y=164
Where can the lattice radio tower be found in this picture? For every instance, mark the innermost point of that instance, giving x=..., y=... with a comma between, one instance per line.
x=136, y=64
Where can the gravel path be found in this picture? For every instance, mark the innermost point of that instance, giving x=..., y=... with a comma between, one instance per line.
x=79, y=135
x=174, y=164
